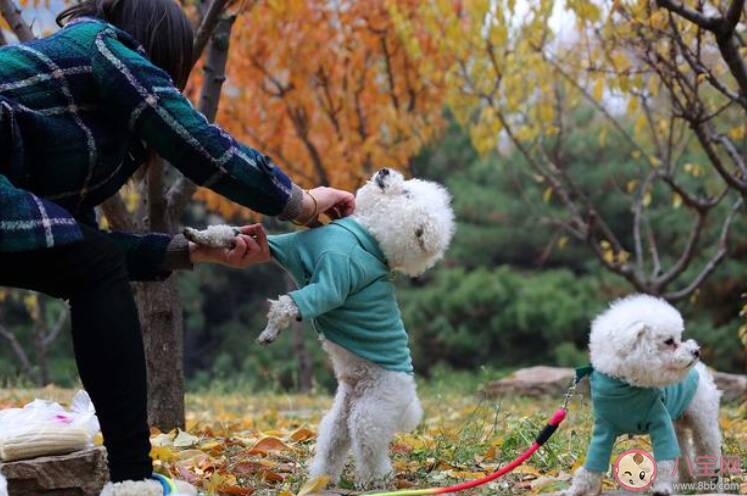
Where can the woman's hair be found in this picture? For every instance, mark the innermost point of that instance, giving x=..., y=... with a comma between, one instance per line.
x=160, y=26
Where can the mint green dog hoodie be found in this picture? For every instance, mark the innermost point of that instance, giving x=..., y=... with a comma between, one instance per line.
x=620, y=408
x=345, y=290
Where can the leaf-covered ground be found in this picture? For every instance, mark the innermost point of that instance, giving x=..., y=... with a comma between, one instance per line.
x=238, y=444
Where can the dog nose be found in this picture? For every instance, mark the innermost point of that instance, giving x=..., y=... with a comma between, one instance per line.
x=384, y=172
x=696, y=353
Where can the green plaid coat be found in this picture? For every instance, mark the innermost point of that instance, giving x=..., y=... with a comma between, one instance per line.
x=77, y=110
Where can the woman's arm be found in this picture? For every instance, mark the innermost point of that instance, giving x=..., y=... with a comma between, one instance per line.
x=142, y=95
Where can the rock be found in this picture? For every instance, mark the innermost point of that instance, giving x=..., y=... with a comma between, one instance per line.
x=82, y=473
x=534, y=381
x=554, y=381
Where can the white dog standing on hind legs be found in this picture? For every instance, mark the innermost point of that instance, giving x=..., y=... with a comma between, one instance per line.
x=646, y=380
x=343, y=272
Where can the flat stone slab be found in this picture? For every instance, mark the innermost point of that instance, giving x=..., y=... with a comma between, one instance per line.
x=82, y=473
x=554, y=381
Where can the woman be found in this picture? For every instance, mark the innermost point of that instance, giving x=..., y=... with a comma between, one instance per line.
x=80, y=111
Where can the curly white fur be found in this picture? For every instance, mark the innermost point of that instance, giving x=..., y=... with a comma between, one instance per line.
x=145, y=488
x=639, y=340
x=411, y=219
x=213, y=236
x=371, y=405
x=283, y=312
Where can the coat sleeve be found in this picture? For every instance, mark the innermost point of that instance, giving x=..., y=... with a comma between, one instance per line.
x=142, y=95
x=663, y=436
x=600, y=448
x=332, y=281
x=28, y=222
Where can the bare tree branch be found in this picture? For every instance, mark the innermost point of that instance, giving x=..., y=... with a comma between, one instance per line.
x=717, y=258
x=56, y=328
x=207, y=27
x=215, y=75
x=710, y=23
x=706, y=139
x=12, y=14
x=23, y=358
x=733, y=14
x=733, y=153
x=158, y=219
x=116, y=213
x=683, y=262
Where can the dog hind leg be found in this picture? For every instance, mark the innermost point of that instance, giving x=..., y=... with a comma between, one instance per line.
x=702, y=415
x=333, y=441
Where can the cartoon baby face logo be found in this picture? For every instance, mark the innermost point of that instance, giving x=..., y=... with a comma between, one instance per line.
x=635, y=470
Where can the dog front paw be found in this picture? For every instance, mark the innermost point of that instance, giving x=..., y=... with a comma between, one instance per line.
x=213, y=236
x=665, y=478
x=268, y=336
x=585, y=483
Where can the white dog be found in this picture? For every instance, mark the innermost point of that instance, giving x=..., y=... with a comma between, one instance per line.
x=343, y=271
x=646, y=380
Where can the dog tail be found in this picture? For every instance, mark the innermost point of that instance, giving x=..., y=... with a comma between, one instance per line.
x=412, y=416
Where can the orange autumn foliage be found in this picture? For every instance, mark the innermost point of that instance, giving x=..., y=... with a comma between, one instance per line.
x=329, y=92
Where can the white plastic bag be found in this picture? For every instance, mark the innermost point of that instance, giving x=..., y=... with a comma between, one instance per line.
x=3, y=486
x=46, y=428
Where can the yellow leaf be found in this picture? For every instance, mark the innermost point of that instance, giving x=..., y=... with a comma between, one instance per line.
x=647, y=199
x=738, y=133
x=547, y=195
x=314, y=486
x=163, y=453
x=603, y=136
x=631, y=185
x=598, y=91
x=676, y=200
x=563, y=242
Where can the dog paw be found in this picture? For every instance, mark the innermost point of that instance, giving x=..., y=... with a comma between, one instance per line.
x=664, y=489
x=268, y=336
x=585, y=483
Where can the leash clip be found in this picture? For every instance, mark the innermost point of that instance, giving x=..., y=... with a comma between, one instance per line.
x=570, y=393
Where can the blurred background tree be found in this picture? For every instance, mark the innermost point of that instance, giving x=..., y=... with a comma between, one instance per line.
x=569, y=134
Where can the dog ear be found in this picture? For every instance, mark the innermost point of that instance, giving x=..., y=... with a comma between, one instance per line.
x=634, y=335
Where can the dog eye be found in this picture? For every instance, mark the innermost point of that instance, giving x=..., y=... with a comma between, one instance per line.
x=669, y=342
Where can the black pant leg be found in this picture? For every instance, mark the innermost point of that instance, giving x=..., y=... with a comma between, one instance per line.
x=106, y=337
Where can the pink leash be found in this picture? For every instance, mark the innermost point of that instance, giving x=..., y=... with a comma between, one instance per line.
x=541, y=439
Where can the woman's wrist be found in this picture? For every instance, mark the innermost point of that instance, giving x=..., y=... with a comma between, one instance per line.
x=197, y=254
x=294, y=208
x=310, y=211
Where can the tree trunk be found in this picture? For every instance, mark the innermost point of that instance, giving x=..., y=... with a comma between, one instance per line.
x=161, y=319
x=42, y=361
x=159, y=303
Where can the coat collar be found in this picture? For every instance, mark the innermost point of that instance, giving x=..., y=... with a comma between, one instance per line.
x=365, y=238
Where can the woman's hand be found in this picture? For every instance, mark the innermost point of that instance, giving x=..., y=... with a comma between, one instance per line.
x=335, y=203
x=251, y=248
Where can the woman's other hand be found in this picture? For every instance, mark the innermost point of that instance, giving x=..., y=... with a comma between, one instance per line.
x=335, y=203
x=250, y=248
